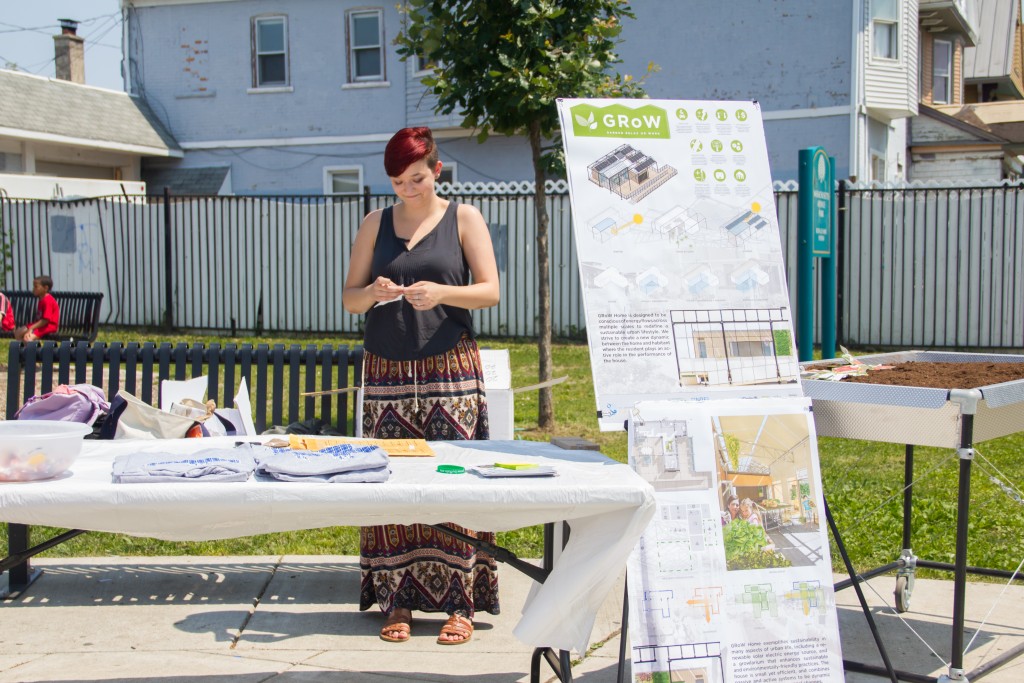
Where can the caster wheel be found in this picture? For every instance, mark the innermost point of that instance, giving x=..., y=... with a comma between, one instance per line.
x=904, y=587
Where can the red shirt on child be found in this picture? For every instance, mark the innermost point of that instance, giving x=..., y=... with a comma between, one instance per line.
x=50, y=312
x=6, y=313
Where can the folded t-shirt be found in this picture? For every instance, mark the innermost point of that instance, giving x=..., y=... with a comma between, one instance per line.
x=372, y=476
x=325, y=461
x=210, y=464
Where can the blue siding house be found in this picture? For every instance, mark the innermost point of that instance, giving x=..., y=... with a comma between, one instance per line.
x=299, y=97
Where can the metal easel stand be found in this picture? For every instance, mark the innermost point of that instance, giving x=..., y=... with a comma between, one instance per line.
x=908, y=562
x=560, y=661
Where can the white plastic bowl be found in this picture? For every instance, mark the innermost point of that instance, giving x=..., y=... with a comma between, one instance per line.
x=38, y=449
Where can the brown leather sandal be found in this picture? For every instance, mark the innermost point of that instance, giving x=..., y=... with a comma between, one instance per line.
x=457, y=625
x=397, y=623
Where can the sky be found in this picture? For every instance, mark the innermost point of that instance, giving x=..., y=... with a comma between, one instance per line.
x=27, y=28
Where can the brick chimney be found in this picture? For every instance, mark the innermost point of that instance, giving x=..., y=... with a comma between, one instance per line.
x=69, y=52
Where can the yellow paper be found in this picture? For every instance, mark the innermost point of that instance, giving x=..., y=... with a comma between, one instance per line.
x=415, y=448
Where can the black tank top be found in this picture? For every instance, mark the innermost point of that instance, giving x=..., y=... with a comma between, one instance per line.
x=396, y=331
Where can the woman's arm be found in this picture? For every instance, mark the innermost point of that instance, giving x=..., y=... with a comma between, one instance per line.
x=483, y=291
x=359, y=294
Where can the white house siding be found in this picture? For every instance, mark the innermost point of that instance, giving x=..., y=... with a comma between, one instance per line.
x=786, y=137
x=891, y=86
x=420, y=103
x=793, y=57
x=317, y=105
x=958, y=166
x=704, y=50
x=935, y=155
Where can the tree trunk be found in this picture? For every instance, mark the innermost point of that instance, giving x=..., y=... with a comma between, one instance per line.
x=545, y=406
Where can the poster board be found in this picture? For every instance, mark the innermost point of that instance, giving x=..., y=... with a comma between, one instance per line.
x=681, y=262
x=731, y=593
x=692, y=350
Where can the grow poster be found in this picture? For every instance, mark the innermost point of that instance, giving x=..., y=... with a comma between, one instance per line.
x=732, y=580
x=678, y=245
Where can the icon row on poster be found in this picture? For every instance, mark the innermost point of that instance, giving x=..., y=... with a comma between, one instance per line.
x=719, y=114
x=716, y=145
x=719, y=175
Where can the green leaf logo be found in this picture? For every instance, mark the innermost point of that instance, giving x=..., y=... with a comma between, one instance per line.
x=587, y=121
x=619, y=121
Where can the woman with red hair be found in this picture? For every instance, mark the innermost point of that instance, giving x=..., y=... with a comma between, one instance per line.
x=417, y=269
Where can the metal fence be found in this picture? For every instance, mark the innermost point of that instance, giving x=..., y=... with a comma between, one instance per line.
x=919, y=266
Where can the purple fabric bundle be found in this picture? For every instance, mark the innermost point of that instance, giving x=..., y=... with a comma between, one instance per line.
x=69, y=403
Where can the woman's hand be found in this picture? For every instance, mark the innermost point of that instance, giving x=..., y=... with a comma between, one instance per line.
x=384, y=289
x=424, y=295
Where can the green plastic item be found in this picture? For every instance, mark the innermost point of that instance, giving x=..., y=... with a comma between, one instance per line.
x=451, y=469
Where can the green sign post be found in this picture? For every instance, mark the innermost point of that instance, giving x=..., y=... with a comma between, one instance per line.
x=815, y=227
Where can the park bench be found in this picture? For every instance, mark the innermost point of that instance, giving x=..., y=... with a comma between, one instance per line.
x=277, y=378
x=79, y=313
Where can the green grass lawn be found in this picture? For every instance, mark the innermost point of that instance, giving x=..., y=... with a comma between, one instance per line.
x=862, y=482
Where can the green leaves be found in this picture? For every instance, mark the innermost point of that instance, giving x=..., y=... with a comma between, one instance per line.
x=504, y=64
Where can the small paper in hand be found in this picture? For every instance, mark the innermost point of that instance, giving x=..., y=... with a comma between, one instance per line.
x=381, y=303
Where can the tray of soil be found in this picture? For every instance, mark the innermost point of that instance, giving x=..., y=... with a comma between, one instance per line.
x=920, y=397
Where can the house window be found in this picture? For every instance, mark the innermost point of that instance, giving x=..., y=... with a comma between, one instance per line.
x=270, y=51
x=449, y=173
x=366, y=46
x=885, y=28
x=343, y=179
x=702, y=349
x=423, y=64
x=877, y=166
x=942, y=69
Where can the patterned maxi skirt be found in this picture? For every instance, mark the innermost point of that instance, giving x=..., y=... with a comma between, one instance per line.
x=417, y=567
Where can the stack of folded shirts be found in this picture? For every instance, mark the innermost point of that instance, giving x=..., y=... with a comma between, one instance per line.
x=341, y=463
x=211, y=464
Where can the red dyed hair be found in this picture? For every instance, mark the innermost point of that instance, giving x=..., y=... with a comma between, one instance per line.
x=408, y=146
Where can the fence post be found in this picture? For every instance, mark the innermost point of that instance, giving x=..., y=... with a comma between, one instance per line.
x=839, y=256
x=168, y=322
x=366, y=200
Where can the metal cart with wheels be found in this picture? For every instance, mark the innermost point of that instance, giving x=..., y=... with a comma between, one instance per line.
x=944, y=418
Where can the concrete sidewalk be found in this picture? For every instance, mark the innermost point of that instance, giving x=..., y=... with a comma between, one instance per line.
x=295, y=620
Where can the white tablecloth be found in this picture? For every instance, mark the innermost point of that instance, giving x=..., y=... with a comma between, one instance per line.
x=606, y=504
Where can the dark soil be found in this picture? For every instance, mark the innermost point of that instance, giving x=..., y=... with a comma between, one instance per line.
x=943, y=375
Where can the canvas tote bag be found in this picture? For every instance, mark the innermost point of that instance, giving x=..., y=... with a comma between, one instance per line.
x=133, y=418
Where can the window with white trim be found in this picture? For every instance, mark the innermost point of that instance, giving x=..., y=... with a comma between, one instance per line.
x=423, y=65
x=343, y=179
x=877, y=166
x=270, y=51
x=449, y=173
x=942, y=70
x=885, y=28
x=365, y=34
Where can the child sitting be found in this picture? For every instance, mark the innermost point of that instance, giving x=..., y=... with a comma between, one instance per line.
x=49, y=312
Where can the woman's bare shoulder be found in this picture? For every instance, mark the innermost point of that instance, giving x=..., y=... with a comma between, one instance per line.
x=371, y=222
x=468, y=211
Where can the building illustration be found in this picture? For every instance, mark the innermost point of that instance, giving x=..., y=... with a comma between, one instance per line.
x=629, y=173
x=683, y=662
x=733, y=346
x=746, y=225
x=701, y=282
x=663, y=454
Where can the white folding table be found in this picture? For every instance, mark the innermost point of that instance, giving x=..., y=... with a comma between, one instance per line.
x=604, y=503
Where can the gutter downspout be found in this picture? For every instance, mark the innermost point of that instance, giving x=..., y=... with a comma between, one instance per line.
x=856, y=87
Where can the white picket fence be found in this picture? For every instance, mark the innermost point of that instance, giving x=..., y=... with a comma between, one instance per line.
x=921, y=265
